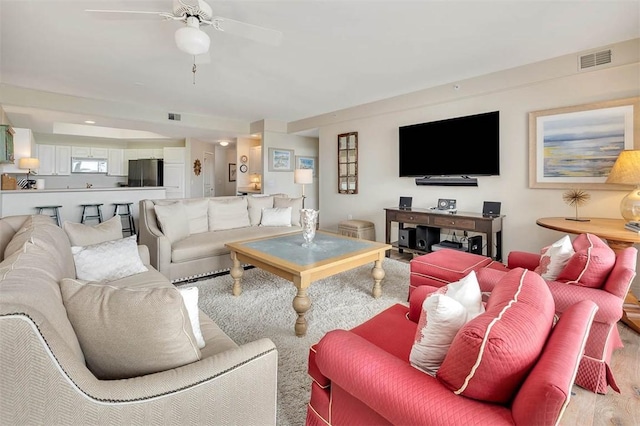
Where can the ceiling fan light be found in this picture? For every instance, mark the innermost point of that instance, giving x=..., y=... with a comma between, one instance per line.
x=192, y=40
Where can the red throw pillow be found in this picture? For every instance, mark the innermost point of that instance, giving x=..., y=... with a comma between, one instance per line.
x=492, y=354
x=591, y=264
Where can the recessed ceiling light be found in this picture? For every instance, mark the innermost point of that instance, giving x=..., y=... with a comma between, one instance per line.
x=224, y=143
x=89, y=122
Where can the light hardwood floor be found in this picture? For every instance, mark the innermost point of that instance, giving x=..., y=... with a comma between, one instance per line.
x=589, y=409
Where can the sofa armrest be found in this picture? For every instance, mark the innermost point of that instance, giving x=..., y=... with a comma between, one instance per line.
x=523, y=259
x=151, y=236
x=49, y=386
x=143, y=252
x=393, y=388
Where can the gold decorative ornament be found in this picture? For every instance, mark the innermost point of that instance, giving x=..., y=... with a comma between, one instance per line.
x=576, y=197
x=197, y=167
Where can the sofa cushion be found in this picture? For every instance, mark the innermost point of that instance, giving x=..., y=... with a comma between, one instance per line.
x=197, y=213
x=294, y=203
x=493, y=353
x=86, y=235
x=276, y=216
x=443, y=313
x=256, y=204
x=554, y=258
x=591, y=264
x=228, y=213
x=108, y=261
x=172, y=219
x=129, y=332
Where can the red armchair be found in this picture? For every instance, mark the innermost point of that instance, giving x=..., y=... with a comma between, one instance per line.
x=594, y=372
x=363, y=376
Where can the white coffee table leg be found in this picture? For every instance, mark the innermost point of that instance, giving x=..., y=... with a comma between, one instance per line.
x=236, y=273
x=378, y=275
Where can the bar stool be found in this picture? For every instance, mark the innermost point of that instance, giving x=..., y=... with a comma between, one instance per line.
x=131, y=229
x=86, y=214
x=55, y=212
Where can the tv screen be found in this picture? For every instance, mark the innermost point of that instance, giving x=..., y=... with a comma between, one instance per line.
x=461, y=146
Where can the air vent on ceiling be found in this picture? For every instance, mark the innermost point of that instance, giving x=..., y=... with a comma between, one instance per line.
x=595, y=59
x=173, y=116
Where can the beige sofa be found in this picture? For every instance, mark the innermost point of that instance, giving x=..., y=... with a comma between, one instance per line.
x=211, y=222
x=44, y=378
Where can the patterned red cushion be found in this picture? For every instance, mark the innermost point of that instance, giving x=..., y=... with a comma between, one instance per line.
x=591, y=264
x=493, y=353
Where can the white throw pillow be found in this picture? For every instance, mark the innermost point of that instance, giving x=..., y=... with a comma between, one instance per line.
x=444, y=312
x=190, y=297
x=108, y=261
x=256, y=203
x=173, y=221
x=197, y=213
x=554, y=258
x=440, y=320
x=228, y=213
x=85, y=235
x=277, y=216
x=294, y=203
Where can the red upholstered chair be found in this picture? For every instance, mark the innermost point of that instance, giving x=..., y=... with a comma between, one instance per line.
x=363, y=376
x=594, y=373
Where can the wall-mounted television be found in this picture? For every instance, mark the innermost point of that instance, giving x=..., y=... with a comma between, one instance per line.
x=461, y=146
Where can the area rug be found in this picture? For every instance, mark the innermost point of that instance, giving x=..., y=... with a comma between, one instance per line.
x=264, y=310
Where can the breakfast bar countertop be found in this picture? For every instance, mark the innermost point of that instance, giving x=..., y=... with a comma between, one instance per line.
x=92, y=189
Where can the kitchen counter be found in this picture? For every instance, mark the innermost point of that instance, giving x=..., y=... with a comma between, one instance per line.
x=25, y=201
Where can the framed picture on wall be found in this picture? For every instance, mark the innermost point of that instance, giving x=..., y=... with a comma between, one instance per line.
x=232, y=172
x=303, y=162
x=280, y=160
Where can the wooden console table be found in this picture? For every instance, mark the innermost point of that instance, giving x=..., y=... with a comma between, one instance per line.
x=617, y=237
x=464, y=221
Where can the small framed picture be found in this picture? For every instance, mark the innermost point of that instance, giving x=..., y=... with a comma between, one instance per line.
x=232, y=172
x=303, y=162
x=280, y=160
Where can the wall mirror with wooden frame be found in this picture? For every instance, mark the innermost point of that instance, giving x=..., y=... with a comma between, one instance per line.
x=348, y=163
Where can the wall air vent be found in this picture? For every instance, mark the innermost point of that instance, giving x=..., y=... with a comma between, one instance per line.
x=173, y=116
x=594, y=59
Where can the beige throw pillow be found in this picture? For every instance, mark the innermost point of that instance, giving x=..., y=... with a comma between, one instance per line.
x=81, y=234
x=129, y=332
x=173, y=221
x=228, y=213
x=294, y=203
x=256, y=204
x=108, y=261
x=277, y=216
x=197, y=214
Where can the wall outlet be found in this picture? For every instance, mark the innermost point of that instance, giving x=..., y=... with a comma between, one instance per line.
x=349, y=216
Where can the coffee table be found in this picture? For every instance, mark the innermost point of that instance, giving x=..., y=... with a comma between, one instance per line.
x=285, y=257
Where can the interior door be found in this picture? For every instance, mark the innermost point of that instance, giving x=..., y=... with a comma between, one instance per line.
x=209, y=175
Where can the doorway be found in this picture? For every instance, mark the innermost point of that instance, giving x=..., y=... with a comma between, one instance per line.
x=209, y=175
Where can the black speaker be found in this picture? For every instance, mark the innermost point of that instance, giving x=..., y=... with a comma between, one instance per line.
x=407, y=237
x=405, y=202
x=426, y=237
x=491, y=208
x=475, y=244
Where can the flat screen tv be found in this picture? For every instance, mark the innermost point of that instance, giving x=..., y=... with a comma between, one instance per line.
x=461, y=146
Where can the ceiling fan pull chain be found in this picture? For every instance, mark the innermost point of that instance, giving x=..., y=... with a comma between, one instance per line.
x=193, y=70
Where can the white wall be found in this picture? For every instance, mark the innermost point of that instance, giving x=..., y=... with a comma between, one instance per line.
x=519, y=92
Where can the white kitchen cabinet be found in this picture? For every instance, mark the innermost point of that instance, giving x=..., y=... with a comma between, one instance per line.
x=174, y=180
x=89, y=152
x=54, y=160
x=156, y=153
x=116, y=165
x=255, y=160
x=174, y=155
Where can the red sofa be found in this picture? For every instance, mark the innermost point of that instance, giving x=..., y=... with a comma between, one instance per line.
x=363, y=376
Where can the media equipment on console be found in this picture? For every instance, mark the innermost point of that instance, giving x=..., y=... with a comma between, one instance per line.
x=475, y=244
x=426, y=237
x=405, y=203
x=446, y=204
x=407, y=237
x=491, y=209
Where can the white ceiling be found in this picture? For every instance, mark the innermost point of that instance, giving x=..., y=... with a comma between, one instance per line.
x=334, y=54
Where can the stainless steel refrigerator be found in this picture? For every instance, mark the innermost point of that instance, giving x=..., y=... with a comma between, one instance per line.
x=147, y=172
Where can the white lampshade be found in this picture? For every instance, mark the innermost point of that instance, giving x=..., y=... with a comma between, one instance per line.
x=191, y=39
x=303, y=176
x=626, y=170
x=28, y=163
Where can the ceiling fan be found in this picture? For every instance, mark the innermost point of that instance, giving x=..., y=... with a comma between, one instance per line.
x=194, y=13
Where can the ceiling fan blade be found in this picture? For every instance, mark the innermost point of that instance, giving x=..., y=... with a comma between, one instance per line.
x=125, y=14
x=250, y=31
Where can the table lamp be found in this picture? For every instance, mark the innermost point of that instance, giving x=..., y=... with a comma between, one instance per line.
x=303, y=177
x=626, y=171
x=29, y=164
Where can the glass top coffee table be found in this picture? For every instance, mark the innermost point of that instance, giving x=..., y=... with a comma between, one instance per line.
x=285, y=257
